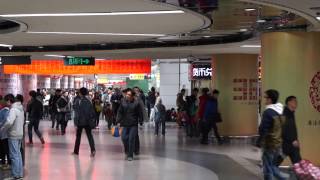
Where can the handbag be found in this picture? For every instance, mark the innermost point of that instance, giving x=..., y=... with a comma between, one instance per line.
x=115, y=131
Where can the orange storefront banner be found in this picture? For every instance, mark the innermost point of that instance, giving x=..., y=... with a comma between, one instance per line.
x=48, y=67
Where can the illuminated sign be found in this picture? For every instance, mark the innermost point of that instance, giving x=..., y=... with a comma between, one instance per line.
x=48, y=67
x=14, y=60
x=79, y=61
x=201, y=71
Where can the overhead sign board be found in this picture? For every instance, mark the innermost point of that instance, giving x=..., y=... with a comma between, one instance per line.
x=15, y=60
x=79, y=61
x=201, y=71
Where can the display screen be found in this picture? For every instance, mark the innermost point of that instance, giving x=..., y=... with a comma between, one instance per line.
x=79, y=61
x=14, y=60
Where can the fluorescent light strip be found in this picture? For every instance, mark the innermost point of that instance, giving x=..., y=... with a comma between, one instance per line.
x=250, y=9
x=318, y=18
x=251, y=46
x=6, y=45
x=103, y=34
x=54, y=55
x=93, y=14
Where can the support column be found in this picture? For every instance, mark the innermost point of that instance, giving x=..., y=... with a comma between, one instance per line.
x=55, y=82
x=65, y=82
x=235, y=76
x=71, y=82
x=27, y=83
x=8, y=83
x=291, y=65
x=43, y=82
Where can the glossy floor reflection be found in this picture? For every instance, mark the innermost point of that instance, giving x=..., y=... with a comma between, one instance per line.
x=173, y=157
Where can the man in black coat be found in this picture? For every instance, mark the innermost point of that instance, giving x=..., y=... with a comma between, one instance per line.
x=290, y=145
x=130, y=114
x=84, y=119
x=54, y=109
x=35, y=112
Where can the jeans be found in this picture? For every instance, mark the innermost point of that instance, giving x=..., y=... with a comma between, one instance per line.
x=129, y=135
x=163, y=127
x=16, y=158
x=4, y=151
x=78, y=139
x=34, y=123
x=270, y=169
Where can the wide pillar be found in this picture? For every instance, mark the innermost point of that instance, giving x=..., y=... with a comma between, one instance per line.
x=291, y=65
x=8, y=83
x=235, y=76
x=27, y=83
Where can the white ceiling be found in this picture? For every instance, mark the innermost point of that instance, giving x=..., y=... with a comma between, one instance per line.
x=137, y=24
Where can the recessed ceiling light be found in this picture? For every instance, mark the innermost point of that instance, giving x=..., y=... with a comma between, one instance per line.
x=207, y=36
x=250, y=9
x=243, y=30
x=261, y=21
x=94, y=14
x=6, y=45
x=102, y=34
x=54, y=55
x=251, y=46
x=318, y=18
x=103, y=44
x=40, y=47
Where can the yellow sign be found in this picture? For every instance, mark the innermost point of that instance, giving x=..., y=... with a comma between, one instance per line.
x=137, y=76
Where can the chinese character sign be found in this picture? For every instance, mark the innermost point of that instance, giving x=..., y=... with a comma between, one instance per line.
x=201, y=71
x=245, y=89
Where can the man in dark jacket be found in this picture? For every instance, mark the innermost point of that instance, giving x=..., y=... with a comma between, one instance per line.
x=129, y=115
x=53, y=108
x=35, y=112
x=84, y=119
x=290, y=143
x=270, y=131
x=115, y=101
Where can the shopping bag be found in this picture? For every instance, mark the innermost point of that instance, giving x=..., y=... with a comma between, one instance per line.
x=305, y=170
x=115, y=132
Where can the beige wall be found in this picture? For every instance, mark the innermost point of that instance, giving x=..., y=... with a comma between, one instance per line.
x=290, y=60
x=239, y=110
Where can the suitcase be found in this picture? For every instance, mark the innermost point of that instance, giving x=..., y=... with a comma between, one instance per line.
x=305, y=170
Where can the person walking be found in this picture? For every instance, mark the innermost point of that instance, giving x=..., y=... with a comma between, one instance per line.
x=54, y=109
x=182, y=106
x=14, y=127
x=160, y=117
x=97, y=104
x=192, y=108
x=35, y=113
x=270, y=135
x=84, y=119
x=211, y=118
x=64, y=107
x=202, y=106
x=115, y=102
x=291, y=145
x=4, y=146
x=129, y=115
x=46, y=104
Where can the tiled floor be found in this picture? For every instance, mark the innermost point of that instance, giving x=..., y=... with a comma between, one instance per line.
x=173, y=157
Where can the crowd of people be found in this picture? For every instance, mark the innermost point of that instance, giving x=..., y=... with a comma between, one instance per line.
x=129, y=108
x=199, y=115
